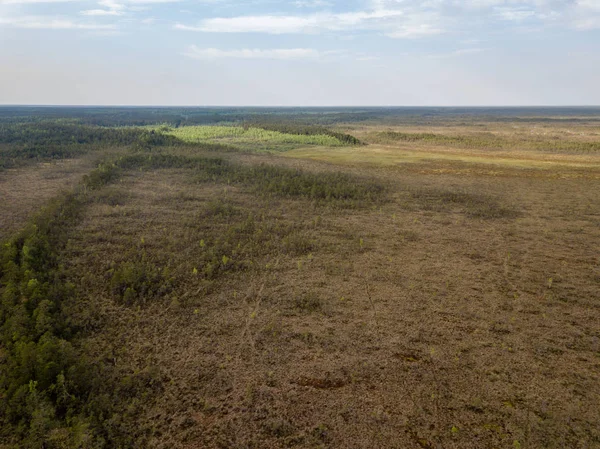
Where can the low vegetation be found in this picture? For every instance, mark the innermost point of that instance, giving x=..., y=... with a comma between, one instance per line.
x=489, y=141
x=335, y=188
x=476, y=205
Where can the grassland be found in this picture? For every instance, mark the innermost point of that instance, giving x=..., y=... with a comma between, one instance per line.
x=162, y=291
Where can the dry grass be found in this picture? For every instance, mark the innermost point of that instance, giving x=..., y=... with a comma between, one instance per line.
x=412, y=325
x=491, y=146
x=24, y=190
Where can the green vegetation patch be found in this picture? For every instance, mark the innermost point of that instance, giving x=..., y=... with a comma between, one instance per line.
x=194, y=134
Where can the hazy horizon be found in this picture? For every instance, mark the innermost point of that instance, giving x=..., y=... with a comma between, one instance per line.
x=298, y=106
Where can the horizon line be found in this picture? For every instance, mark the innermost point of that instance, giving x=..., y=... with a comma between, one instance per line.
x=48, y=105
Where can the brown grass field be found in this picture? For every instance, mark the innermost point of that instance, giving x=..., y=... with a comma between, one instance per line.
x=460, y=311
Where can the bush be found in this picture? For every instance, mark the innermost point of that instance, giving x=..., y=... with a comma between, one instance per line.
x=137, y=281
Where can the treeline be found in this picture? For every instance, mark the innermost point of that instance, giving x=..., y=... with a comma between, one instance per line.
x=49, y=133
x=184, y=116
x=45, y=384
x=61, y=139
x=177, y=116
x=303, y=129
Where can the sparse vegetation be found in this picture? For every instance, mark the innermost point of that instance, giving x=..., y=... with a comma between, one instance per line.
x=338, y=188
x=475, y=205
x=490, y=141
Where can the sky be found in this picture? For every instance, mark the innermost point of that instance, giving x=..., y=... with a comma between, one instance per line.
x=300, y=52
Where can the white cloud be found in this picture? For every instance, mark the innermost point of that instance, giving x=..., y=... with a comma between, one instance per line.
x=311, y=3
x=514, y=14
x=415, y=31
x=101, y=12
x=51, y=23
x=112, y=9
x=313, y=23
x=457, y=15
x=251, y=53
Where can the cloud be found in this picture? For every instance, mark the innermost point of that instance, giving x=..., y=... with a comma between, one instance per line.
x=251, y=53
x=102, y=12
x=514, y=14
x=311, y=3
x=381, y=19
x=51, y=23
x=415, y=31
x=112, y=9
x=458, y=15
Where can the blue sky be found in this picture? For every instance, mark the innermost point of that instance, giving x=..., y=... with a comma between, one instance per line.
x=300, y=52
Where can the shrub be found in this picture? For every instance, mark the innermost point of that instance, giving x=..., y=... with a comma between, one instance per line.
x=308, y=302
x=137, y=281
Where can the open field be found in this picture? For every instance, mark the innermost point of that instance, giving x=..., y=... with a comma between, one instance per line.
x=435, y=284
x=512, y=145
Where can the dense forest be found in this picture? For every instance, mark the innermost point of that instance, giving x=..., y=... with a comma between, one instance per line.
x=180, y=116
